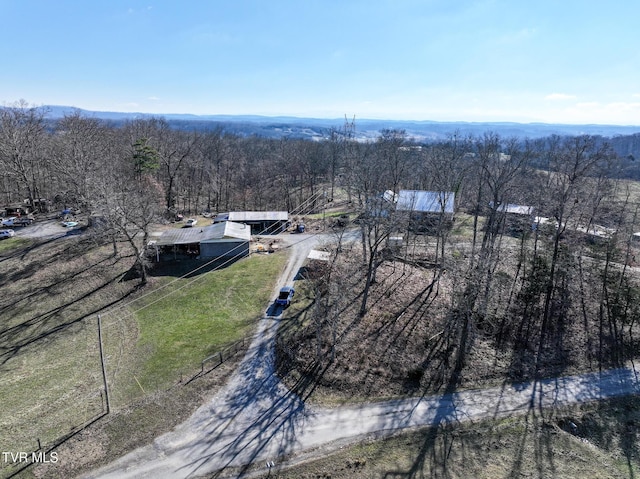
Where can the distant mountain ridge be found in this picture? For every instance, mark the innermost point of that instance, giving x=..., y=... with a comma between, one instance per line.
x=318, y=128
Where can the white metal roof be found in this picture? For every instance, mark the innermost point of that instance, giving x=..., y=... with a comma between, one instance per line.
x=426, y=201
x=245, y=216
x=319, y=255
x=514, y=209
x=233, y=230
x=597, y=230
x=209, y=233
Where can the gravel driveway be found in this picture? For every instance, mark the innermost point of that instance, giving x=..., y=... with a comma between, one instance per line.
x=46, y=229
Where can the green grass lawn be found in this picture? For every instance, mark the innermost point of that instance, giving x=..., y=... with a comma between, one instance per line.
x=217, y=309
x=13, y=243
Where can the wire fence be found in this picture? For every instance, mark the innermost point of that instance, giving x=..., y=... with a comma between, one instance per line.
x=223, y=355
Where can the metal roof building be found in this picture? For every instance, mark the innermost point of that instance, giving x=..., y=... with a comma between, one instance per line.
x=216, y=232
x=249, y=216
x=514, y=209
x=261, y=222
x=426, y=201
x=221, y=240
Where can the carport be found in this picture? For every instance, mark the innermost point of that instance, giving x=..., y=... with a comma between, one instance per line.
x=221, y=240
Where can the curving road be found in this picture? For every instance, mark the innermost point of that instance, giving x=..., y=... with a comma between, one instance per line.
x=255, y=418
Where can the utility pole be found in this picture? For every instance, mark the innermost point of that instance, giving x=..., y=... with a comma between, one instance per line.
x=104, y=369
x=324, y=207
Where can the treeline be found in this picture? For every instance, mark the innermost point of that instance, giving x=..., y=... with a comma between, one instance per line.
x=69, y=162
x=197, y=170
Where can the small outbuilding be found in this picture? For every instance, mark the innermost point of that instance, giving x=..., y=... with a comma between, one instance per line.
x=428, y=210
x=513, y=209
x=517, y=218
x=426, y=202
x=596, y=233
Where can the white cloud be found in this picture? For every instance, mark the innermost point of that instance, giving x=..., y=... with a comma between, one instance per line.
x=614, y=113
x=622, y=106
x=153, y=98
x=559, y=96
x=588, y=104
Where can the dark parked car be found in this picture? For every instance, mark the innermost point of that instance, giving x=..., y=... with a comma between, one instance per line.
x=285, y=296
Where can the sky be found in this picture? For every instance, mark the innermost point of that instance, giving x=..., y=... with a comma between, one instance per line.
x=550, y=61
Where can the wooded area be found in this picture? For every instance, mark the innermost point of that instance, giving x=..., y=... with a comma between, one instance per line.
x=494, y=295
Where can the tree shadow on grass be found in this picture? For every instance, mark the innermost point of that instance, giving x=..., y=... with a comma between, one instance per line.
x=23, y=302
x=189, y=268
x=52, y=322
x=537, y=403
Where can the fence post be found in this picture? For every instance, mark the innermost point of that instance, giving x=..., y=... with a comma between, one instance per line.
x=104, y=370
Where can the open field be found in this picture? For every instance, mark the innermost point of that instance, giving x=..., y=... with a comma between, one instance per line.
x=50, y=373
x=134, y=425
x=49, y=362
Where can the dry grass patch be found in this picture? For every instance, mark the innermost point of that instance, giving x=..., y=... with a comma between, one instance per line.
x=50, y=377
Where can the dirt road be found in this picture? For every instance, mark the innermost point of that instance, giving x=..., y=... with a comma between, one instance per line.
x=255, y=418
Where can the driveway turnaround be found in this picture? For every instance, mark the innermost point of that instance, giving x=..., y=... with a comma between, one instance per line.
x=256, y=418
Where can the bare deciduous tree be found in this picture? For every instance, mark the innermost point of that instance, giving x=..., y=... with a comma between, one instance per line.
x=22, y=141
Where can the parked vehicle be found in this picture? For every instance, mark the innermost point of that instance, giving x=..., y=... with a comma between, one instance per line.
x=285, y=296
x=4, y=234
x=22, y=221
x=191, y=222
x=8, y=221
x=69, y=224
